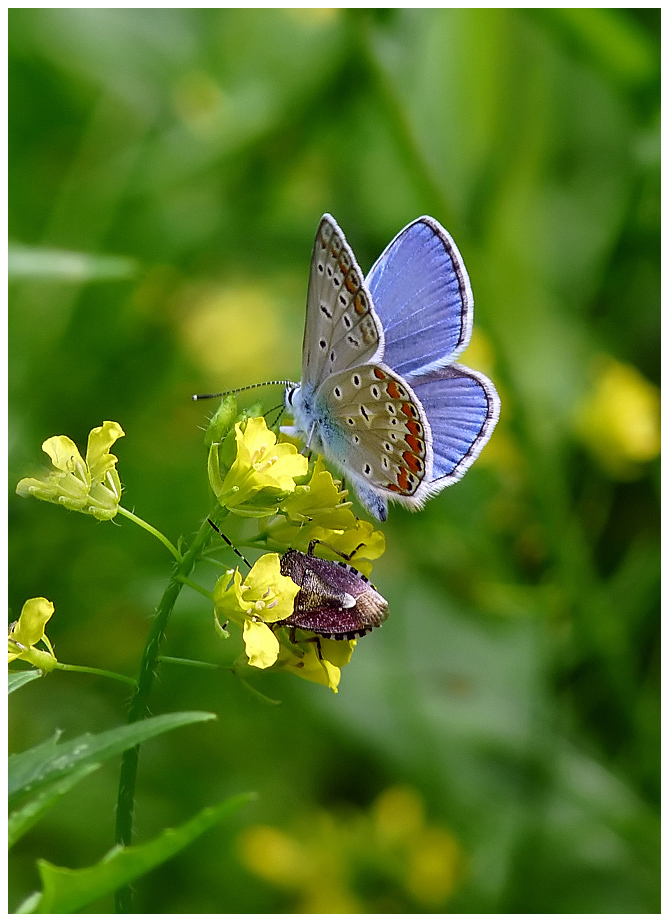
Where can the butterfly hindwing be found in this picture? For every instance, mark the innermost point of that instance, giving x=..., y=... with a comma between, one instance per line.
x=342, y=328
x=423, y=298
x=382, y=439
x=462, y=408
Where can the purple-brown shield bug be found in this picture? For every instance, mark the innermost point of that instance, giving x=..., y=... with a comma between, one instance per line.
x=335, y=600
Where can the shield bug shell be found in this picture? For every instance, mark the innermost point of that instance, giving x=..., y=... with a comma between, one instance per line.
x=335, y=600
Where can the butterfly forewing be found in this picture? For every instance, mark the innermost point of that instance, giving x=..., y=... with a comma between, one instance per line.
x=342, y=329
x=423, y=298
x=384, y=427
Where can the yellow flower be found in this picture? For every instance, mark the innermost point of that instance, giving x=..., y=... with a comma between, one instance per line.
x=263, y=597
x=319, y=510
x=261, y=473
x=307, y=664
x=28, y=631
x=90, y=486
x=619, y=421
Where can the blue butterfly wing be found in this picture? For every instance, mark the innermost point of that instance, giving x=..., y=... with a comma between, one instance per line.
x=462, y=408
x=421, y=294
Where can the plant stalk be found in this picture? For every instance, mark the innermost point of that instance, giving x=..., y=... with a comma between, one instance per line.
x=138, y=710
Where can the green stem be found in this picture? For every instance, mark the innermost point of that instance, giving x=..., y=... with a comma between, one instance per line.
x=140, y=700
x=66, y=667
x=153, y=531
x=196, y=586
x=179, y=661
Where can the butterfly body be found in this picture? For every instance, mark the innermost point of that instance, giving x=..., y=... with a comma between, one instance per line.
x=381, y=394
x=335, y=600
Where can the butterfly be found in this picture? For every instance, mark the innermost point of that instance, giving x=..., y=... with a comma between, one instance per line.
x=381, y=394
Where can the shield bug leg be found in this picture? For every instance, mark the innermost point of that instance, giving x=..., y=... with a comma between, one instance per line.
x=312, y=545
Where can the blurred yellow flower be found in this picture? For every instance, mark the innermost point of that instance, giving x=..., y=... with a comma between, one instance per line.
x=413, y=865
x=90, y=486
x=28, y=631
x=619, y=420
x=398, y=813
x=233, y=332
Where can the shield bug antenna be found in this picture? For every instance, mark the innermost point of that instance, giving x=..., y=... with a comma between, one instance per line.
x=229, y=543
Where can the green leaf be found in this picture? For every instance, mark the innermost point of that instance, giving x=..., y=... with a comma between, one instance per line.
x=26, y=262
x=42, y=764
x=21, y=677
x=34, y=809
x=65, y=890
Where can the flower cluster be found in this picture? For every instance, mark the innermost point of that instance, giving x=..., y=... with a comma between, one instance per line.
x=91, y=486
x=254, y=475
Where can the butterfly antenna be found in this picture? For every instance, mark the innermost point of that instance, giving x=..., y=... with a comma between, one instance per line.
x=229, y=542
x=238, y=390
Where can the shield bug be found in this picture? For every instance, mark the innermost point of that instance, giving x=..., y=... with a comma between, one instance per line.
x=335, y=600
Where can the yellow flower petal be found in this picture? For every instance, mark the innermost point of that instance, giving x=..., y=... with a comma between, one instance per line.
x=64, y=454
x=264, y=593
x=260, y=467
x=262, y=647
x=271, y=593
x=100, y=440
x=311, y=667
x=29, y=629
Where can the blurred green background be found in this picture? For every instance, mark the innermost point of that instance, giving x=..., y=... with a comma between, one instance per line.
x=495, y=746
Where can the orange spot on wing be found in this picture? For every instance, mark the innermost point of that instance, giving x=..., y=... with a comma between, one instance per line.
x=392, y=390
x=403, y=480
x=414, y=428
x=379, y=374
x=415, y=444
x=351, y=283
x=394, y=488
x=360, y=306
x=412, y=462
x=409, y=409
